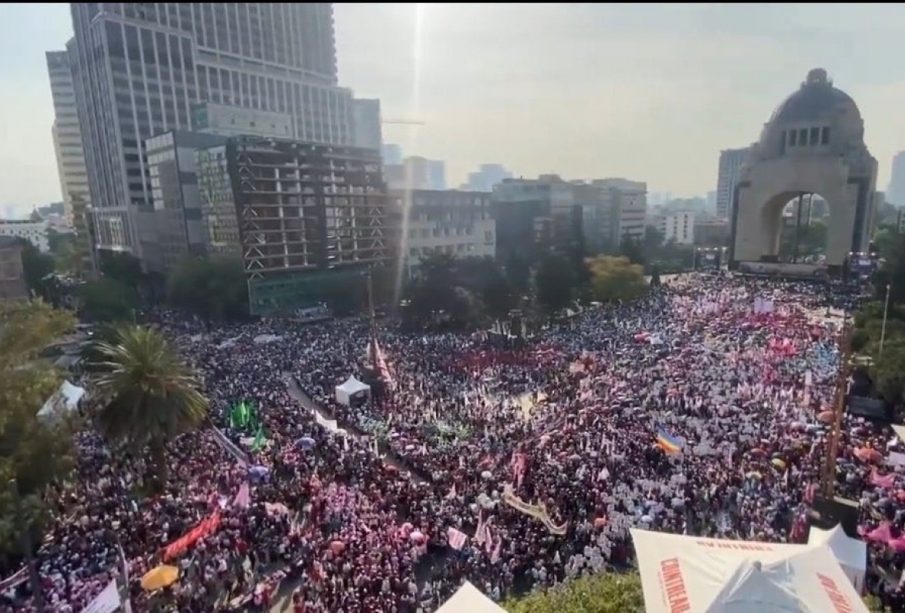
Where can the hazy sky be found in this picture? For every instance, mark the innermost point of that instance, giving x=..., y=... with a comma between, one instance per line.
x=645, y=92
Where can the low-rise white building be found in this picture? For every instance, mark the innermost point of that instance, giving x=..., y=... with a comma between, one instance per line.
x=35, y=232
x=678, y=226
x=454, y=222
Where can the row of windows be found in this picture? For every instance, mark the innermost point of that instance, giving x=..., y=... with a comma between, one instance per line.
x=449, y=249
x=807, y=137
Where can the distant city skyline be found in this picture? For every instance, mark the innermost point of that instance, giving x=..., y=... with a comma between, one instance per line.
x=536, y=88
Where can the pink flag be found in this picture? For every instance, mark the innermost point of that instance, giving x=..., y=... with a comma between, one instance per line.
x=456, y=538
x=495, y=556
x=887, y=481
x=881, y=534
x=243, y=497
x=488, y=542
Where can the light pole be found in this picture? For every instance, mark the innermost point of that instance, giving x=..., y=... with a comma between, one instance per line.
x=883, y=327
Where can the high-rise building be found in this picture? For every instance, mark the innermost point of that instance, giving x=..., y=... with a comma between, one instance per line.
x=486, y=176
x=415, y=172
x=895, y=193
x=139, y=68
x=628, y=208
x=67, y=143
x=67, y=137
x=366, y=123
x=391, y=153
x=304, y=217
x=731, y=161
x=436, y=174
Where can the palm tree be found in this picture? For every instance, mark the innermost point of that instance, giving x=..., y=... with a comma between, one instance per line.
x=149, y=395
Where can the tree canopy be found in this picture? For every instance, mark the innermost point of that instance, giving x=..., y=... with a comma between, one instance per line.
x=602, y=593
x=34, y=452
x=148, y=395
x=616, y=278
x=212, y=288
x=555, y=283
x=107, y=300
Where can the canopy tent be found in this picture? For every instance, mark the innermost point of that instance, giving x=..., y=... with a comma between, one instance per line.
x=65, y=400
x=351, y=389
x=703, y=575
x=900, y=432
x=469, y=599
x=850, y=553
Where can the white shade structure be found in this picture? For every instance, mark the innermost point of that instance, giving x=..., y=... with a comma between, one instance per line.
x=704, y=575
x=469, y=599
x=850, y=553
x=352, y=388
x=63, y=401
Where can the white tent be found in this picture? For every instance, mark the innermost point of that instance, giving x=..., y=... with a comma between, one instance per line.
x=703, y=575
x=352, y=388
x=850, y=553
x=469, y=599
x=65, y=399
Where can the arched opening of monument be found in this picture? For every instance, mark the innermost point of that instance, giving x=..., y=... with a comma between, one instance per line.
x=803, y=229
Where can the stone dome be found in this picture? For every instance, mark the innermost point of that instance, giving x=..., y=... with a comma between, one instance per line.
x=817, y=105
x=816, y=99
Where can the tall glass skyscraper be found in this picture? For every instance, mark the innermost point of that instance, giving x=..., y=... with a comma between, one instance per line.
x=141, y=69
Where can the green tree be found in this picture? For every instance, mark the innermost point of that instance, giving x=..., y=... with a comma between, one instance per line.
x=616, y=278
x=889, y=371
x=148, y=395
x=36, y=266
x=34, y=452
x=123, y=267
x=555, y=283
x=630, y=247
x=892, y=271
x=212, y=288
x=602, y=593
x=108, y=300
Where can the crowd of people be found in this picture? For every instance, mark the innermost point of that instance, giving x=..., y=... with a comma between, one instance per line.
x=699, y=409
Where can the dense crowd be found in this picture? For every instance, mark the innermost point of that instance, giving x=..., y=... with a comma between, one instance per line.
x=359, y=517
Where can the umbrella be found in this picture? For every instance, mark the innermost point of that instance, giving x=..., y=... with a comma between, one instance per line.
x=306, y=442
x=337, y=547
x=779, y=464
x=258, y=471
x=486, y=475
x=600, y=522
x=753, y=475
x=757, y=451
x=159, y=577
x=647, y=519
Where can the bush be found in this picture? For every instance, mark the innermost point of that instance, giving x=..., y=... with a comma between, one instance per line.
x=603, y=593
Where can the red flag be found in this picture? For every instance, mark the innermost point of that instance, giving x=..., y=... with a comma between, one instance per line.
x=204, y=528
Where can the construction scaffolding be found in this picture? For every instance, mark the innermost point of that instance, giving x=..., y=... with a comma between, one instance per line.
x=306, y=207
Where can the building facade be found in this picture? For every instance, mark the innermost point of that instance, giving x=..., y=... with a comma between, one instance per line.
x=628, y=208
x=67, y=143
x=138, y=69
x=731, y=161
x=67, y=136
x=453, y=222
x=12, y=275
x=678, y=227
x=367, y=129
x=174, y=226
x=416, y=172
x=486, y=177
x=895, y=193
x=535, y=215
x=299, y=214
x=35, y=232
